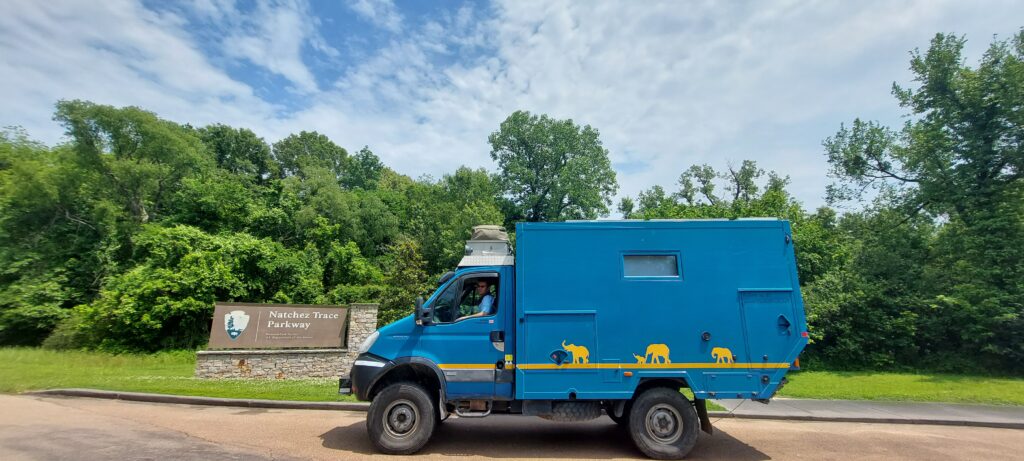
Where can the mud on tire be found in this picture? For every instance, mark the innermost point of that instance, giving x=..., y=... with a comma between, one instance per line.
x=401, y=419
x=663, y=424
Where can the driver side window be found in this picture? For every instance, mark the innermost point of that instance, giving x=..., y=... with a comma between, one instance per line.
x=473, y=295
x=446, y=303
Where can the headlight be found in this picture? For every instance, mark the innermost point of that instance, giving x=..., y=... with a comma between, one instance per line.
x=368, y=342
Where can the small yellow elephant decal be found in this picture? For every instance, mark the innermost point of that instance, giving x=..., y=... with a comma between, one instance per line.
x=640, y=360
x=658, y=353
x=579, y=353
x=721, y=355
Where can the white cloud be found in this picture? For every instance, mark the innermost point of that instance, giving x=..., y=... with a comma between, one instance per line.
x=381, y=13
x=112, y=52
x=273, y=38
x=667, y=84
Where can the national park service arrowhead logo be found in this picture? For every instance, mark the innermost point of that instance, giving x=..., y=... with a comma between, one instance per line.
x=235, y=323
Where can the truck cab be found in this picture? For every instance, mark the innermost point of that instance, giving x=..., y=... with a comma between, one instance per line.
x=588, y=319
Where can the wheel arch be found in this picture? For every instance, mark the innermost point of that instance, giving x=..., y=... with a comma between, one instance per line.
x=650, y=383
x=415, y=369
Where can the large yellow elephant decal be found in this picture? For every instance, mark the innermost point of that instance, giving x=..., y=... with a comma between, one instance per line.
x=579, y=353
x=721, y=355
x=657, y=353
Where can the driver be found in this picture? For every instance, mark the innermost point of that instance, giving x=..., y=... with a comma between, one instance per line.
x=486, y=306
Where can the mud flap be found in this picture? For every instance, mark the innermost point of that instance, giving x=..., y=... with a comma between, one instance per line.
x=702, y=414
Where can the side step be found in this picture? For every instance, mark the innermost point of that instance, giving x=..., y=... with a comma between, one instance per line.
x=465, y=412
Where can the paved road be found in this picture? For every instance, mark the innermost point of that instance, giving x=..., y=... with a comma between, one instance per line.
x=50, y=428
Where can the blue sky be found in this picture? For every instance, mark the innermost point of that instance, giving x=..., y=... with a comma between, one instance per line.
x=668, y=84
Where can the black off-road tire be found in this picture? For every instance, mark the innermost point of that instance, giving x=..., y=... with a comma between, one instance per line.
x=401, y=419
x=663, y=424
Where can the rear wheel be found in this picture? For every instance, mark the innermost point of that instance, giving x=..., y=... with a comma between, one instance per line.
x=401, y=419
x=663, y=424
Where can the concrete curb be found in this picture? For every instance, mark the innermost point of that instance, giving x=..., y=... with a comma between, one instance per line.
x=362, y=406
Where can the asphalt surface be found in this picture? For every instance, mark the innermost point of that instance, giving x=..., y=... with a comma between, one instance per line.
x=54, y=428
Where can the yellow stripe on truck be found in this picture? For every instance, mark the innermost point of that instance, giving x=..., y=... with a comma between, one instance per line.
x=614, y=366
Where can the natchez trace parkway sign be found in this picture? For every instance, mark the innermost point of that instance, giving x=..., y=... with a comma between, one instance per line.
x=275, y=326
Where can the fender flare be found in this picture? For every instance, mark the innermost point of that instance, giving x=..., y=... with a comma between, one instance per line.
x=442, y=383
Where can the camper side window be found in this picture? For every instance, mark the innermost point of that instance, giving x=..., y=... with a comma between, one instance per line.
x=650, y=265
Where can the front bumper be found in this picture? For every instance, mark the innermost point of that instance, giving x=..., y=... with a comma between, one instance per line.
x=366, y=370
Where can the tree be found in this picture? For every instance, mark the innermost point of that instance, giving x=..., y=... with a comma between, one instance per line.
x=405, y=279
x=298, y=152
x=239, y=151
x=552, y=170
x=961, y=154
x=959, y=159
x=363, y=171
x=139, y=156
x=626, y=207
x=165, y=300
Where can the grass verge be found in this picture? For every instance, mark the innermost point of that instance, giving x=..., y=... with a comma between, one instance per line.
x=917, y=387
x=23, y=369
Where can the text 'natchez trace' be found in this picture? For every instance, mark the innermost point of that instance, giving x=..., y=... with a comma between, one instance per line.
x=298, y=315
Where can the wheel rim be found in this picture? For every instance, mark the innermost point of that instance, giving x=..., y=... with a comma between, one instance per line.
x=401, y=419
x=664, y=423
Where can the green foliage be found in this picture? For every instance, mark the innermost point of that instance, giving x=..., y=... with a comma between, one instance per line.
x=310, y=149
x=166, y=301
x=239, y=151
x=552, y=170
x=140, y=157
x=405, y=279
x=958, y=162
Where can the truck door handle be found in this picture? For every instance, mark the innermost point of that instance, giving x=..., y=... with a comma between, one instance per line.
x=497, y=336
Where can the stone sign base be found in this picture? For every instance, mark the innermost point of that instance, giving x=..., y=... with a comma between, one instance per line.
x=274, y=364
x=292, y=363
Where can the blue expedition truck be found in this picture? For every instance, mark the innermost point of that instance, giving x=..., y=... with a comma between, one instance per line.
x=591, y=318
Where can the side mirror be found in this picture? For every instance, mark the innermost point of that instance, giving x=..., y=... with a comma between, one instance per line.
x=424, y=315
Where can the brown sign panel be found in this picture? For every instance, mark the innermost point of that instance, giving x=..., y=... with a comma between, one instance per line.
x=274, y=326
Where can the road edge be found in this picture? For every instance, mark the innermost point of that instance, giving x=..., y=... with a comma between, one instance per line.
x=363, y=406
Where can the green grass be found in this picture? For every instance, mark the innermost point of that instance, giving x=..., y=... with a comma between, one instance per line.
x=23, y=369
x=918, y=387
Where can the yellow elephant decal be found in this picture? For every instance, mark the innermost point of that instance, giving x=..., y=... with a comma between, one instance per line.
x=721, y=355
x=657, y=353
x=579, y=353
x=640, y=360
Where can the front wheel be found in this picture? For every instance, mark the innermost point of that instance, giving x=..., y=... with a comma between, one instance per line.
x=663, y=424
x=401, y=419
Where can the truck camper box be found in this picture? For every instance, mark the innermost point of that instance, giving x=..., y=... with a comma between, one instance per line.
x=715, y=302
